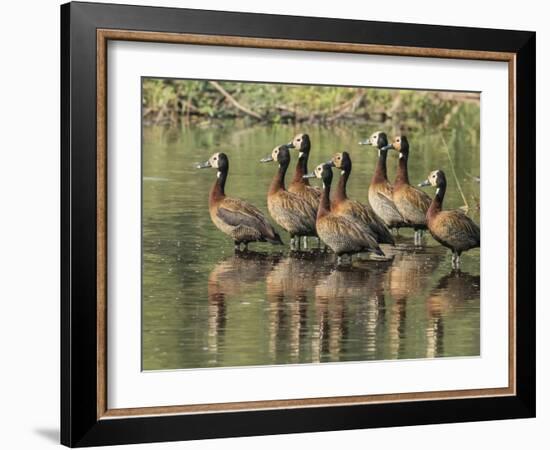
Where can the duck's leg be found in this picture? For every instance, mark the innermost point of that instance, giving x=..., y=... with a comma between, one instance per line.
x=339, y=260
x=455, y=261
x=305, y=242
x=246, y=246
x=237, y=246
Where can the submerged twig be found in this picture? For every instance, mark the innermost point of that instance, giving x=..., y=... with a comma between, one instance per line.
x=454, y=172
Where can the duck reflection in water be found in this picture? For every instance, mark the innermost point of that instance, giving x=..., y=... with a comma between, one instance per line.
x=408, y=277
x=232, y=276
x=288, y=286
x=448, y=297
x=335, y=309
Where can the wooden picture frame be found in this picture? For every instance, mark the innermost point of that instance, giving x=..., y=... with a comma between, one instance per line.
x=85, y=416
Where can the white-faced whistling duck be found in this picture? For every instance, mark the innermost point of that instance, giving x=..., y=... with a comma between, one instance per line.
x=412, y=203
x=452, y=229
x=300, y=185
x=238, y=219
x=380, y=189
x=343, y=206
x=289, y=210
x=343, y=235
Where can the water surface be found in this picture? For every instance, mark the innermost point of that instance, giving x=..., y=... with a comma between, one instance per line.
x=204, y=306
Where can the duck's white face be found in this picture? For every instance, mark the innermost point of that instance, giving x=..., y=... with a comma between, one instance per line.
x=319, y=171
x=434, y=176
x=397, y=143
x=373, y=140
x=275, y=154
x=214, y=160
x=299, y=142
x=337, y=160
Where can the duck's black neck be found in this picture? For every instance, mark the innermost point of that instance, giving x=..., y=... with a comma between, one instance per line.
x=402, y=176
x=301, y=168
x=341, y=194
x=324, y=204
x=218, y=188
x=278, y=182
x=381, y=172
x=437, y=203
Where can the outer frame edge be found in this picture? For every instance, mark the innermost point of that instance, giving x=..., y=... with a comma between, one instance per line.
x=101, y=432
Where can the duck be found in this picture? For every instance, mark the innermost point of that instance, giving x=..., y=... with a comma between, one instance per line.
x=240, y=220
x=380, y=189
x=300, y=185
x=451, y=228
x=412, y=203
x=342, y=235
x=344, y=206
x=289, y=210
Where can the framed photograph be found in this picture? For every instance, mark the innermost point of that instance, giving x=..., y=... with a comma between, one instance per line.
x=276, y=224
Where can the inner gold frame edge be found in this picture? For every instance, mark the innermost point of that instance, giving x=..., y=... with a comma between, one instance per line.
x=103, y=36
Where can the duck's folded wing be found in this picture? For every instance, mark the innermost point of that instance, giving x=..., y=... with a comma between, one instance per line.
x=237, y=212
x=420, y=199
x=388, y=207
x=377, y=226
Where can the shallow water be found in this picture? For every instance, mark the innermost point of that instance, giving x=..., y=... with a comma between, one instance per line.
x=204, y=306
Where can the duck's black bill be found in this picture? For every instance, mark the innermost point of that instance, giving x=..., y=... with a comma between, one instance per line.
x=290, y=145
x=266, y=159
x=203, y=165
x=330, y=163
x=309, y=175
x=365, y=142
x=388, y=147
x=424, y=183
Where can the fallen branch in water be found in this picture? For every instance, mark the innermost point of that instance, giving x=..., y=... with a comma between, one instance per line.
x=466, y=206
x=347, y=106
x=234, y=102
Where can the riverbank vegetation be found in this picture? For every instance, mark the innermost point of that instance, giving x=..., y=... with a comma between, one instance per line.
x=206, y=103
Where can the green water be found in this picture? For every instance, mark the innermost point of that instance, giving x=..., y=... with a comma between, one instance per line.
x=204, y=306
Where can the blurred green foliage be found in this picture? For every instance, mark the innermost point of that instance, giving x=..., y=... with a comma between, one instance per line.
x=180, y=102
